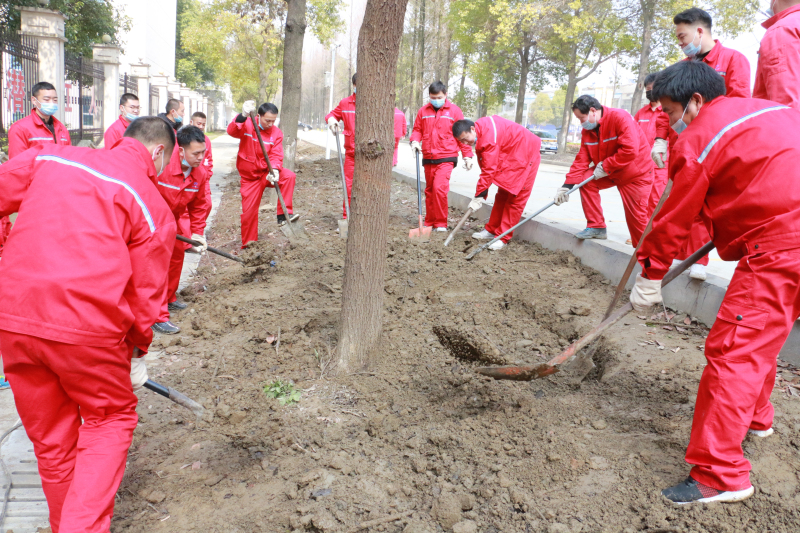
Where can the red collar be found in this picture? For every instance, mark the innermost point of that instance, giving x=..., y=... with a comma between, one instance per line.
x=779, y=16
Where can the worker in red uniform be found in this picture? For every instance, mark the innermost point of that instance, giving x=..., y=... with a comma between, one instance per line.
x=253, y=168
x=778, y=70
x=75, y=313
x=183, y=186
x=37, y=129
x=693, y=31
x=646, y=118
x=432, y=135
x=400, y=131
x=621, y=156
x=346, y=112
x=199, y=119
x=729, y=167
x=509, y=157
x=128, y=112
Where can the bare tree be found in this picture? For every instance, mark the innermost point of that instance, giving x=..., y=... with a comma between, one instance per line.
x=292, y=77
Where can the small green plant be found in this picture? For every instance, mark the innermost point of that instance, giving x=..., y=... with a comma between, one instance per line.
x=283, y=391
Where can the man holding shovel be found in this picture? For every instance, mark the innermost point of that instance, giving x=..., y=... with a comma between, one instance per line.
x=346, y=112
x=252, y=166
x=509, y=157
x=729, y=168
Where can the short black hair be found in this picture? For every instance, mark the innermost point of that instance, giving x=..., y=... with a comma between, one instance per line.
x=199, y=114
x=693, y=16
x=461, y=127
x=152, y=130
x=42, y=86
x=354, y=79
x=437, y=87
x=585, y=103
x=267, y=107
x=189, y=134
x=650, y=78
x=126, y=97
x=681, y=80
x=172, y=103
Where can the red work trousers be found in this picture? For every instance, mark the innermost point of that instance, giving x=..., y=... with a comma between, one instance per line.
x=5, y=229
x=396, y=144
x=760, y=307
x=660, y=178
x=349, y=168
x=252, y=189
x=175, y=267
x=437, y=185
x=56, y=385
x=696, y=239
x=507, y=209
x=635, y=194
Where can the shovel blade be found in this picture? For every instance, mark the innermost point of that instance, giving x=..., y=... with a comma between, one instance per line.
x=517, y=373
x=343, y=229
x=421, y=235
x=294, y=231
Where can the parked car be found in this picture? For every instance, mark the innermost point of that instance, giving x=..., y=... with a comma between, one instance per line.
x=304, y=127
x=549, y=141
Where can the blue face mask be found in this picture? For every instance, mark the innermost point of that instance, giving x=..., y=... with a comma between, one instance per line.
x=354, y=89
x=178, y=119
x=130, y=117
x=680, y=125
x=691, y=49
x=588, y=125
x=48, y=108
x=437, y=103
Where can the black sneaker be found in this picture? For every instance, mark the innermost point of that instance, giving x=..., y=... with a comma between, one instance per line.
x=691, y=491
x=167, y=328
x=176, y=306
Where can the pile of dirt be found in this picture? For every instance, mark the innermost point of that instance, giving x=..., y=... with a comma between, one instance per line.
x=419, y=443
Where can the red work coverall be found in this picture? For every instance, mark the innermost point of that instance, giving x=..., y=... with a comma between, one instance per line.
x=346, y=112
x=623, y=149
x=115, y=132
x=208, y=164
x=400, y=130
x=509, y=157
x=646, y=118
x=183, y=194
x=730, y=168
x=26, y=133
x=778, y=70
x=80, y=285
x=253, y=172
x=433, y=128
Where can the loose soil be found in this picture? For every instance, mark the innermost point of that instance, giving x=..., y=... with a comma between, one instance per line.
x=418, y=438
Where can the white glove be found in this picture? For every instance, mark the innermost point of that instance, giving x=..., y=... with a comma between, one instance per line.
x=274, y=176
x=467, y=163
x=599, y=172
x=645, y=294
x=333, y=124
x=203, y=243
x=416, y=146
x=248, y=107
x=138, y=372
x=476, y=204
x=658, y=152
x=561, y=195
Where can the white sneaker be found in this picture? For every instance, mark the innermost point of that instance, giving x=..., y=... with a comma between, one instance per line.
x=698, y=272
x=483, y=235
x=761, y=433
x=497, y=245
x=440, y=230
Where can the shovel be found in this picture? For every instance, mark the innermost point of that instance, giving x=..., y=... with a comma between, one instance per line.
x=521, y=222
x=210, y=249
x=531, y=372
x=458, y=226
x=294, y=231
x=342, y=223
x=175, y=396
x=421, y=234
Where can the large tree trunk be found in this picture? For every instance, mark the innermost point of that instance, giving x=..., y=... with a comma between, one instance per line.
x=648, y=13
x=566, y=118
x=292, y=78
x=365, y=257
x=524, y=56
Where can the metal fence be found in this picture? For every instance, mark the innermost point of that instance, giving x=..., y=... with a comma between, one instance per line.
x=154, y=103
x=19, y=70
x=83, y=99
x=128, y=84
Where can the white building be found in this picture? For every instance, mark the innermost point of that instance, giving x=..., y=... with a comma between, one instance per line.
x=151, y=39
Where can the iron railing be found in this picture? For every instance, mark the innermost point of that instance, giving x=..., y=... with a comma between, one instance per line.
x=19, y=72
x=154, y=101
x=128, y=84
x=83, y=98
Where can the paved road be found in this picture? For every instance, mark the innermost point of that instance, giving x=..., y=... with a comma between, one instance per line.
x=548, y=180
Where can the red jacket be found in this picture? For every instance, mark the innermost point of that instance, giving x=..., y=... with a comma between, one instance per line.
x=115, y=132
x=31, y=131
x=87, y=262
x=434, y=128
x=506, y=151
x=731, y=168
x=208, y=162
x=400, y=127
x=346, y=112
x=778, y=70
x=250, y=161
x=647, y=119
x=185, y=193
x=618, y=143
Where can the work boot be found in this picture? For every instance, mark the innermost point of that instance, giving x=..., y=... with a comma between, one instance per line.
x=483, y=235
x=691, y=490
x=176, y=306
x=166, y=328
x=440, y=230
x=760, y=433
x=593, y=233
x=697, y=272
x=497, y=245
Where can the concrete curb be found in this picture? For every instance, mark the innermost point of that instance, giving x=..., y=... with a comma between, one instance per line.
x=700, y=299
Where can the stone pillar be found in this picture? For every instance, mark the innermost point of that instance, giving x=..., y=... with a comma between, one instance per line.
x=162, y=84
x=141, y=71
x=47, y=27
x=186, y=98
x=107, y=55
x=204, y=109
x=174, y=89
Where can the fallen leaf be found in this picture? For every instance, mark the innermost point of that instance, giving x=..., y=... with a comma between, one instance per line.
x=659, y=344
x=668, y=328
x=196, y=465
x=680, y=329
x=641, y=317
x=687, y=320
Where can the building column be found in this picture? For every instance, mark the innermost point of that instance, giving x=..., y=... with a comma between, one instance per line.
x=186, y=98
x=108, y=56
x=161, y=83
x=47, y=27
x=141, y=71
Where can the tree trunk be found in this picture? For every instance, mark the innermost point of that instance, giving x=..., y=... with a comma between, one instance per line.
x=412, y=86
x=292, y=78
x=365, y=255
x=648, y=13
x=421, y=63
x=463, y=72
x=566, y=118
x=524, y=56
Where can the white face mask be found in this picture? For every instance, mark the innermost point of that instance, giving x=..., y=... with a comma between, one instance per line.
x=162, y=161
